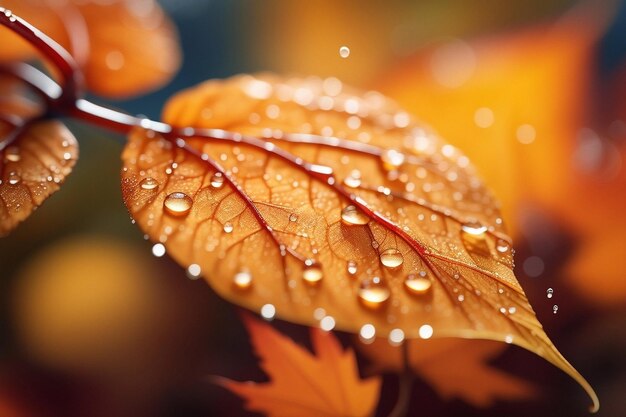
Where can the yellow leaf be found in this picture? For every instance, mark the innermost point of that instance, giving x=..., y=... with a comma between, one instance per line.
x=339, y=202
x=302, y=384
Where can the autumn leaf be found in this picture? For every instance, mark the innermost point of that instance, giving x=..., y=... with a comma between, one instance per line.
x=513, y=102
x=108, y=39
x=35, y=157
x=325, y=383
x=329, y=200
x=438, y=361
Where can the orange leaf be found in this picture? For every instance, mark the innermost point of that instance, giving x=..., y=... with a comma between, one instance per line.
x=302, y=384
x=513, y=102
x=377, y=222
x=438, y=361
x=33, y=166
x=107, y=38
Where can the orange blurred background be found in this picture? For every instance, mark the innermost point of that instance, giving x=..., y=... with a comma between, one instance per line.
x=534, y=92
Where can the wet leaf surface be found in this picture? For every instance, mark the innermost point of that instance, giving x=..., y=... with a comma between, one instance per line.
x=35, y=158
x=375, y=223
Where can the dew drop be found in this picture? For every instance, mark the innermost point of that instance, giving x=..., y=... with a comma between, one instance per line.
x=391, y=258
x=425, y=331
x=474, y=228
x=392, y=159
x=178, y=204
x=148, y=183
x=14, y=178
x=268, y=312
x=312, y=273
x=373, y=292
x=549, y=293
x=194, y=271
x=344, y=51
x=555, y=309
x=158, y=250
x=242, y=280
x=293, y=217
x=502, y=246
x=367, y=333
x=417, y=284
x=352, y=267
x=353, y=216
x=327, y=323
x=12, y=154
x=228, y=227
x=396, y=337
x=217, y=180
x=353, y=180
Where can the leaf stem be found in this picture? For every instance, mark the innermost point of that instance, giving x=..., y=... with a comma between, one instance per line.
x=406, y=379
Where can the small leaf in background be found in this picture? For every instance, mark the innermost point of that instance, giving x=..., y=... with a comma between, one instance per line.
x=34, y=160
x=323, y=383
x=124, y=47
x=455, y=368
x=513, y=102
x=339, y=203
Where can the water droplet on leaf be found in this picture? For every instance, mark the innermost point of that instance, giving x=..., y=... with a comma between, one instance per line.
x=242, y=280
x=217, y=180
x=373, y=292
x=417, y=284
x=391, y=258
x=149, y=183
x=353, y=216
x=178, y=204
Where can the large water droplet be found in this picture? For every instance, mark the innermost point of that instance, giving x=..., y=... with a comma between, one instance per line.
x=474, y=228
x=352, y=267
x=502, y=246
x=353, y=216
x=312, y=273
x=549, y=293
x=217, y=180
x=391, y=258
x=373, y=292
x=344, y=51
x=242, y=280
x=392, y=159
x=14, y=178
x=148, y=183
x=353, y=180
x=12, y=154
x=417, y=284
x=178, y=204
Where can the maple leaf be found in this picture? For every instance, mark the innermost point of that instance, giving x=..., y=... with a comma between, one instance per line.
x=107, y=39
x=35, y=156
x=438, y=362
x=325, y=383
x=327, y=199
